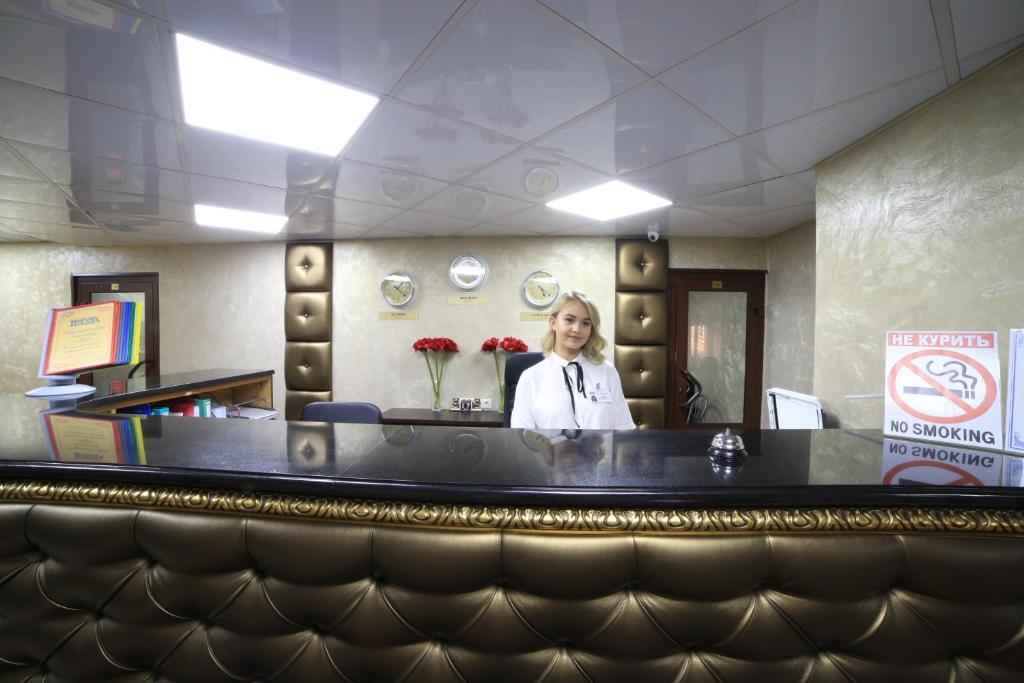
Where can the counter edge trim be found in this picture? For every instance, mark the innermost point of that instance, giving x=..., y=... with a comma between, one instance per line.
x=524, y=519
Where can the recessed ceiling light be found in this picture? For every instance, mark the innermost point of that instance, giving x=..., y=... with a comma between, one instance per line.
x=610, y=200
x=236, y=219
x=232, y=93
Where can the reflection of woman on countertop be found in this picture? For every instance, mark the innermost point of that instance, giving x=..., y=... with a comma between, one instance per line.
x=573, y=387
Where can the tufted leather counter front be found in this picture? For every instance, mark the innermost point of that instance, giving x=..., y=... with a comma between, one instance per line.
x=119, y=594
x=236, y=551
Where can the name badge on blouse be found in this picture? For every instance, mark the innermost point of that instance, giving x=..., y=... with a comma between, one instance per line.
x=599, y=395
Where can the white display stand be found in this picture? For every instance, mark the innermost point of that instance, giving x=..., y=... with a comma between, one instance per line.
x=793, y=410
x=61, y=387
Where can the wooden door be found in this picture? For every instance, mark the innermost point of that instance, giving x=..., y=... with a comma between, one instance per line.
x=715, y=342
x=139, y=287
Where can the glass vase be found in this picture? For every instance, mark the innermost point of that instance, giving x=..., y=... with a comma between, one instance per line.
x=436, y=402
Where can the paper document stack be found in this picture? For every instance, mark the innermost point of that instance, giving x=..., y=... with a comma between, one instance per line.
x=247, y=413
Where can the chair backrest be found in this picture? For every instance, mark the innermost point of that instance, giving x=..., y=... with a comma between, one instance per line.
x=515, y=363
x=358, y=413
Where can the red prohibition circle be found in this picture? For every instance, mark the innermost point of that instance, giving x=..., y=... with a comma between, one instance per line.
x=986, y=376
x=964, y=474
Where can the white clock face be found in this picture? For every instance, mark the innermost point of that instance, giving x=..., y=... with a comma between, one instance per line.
x=468, y=271
x=541, y=181
x=540, y=288
x=398, y=288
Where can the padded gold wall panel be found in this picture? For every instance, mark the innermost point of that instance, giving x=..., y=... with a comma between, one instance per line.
x=648, y=413
x=307, y=325
x=641, y=369
x=641, y=318
x=307, y=268
x=307, y=365
x=641, y=327
x=295, y=401
x=640, y=265
x=307, y=316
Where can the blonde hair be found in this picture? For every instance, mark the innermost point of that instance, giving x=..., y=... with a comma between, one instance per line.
x=593, y=349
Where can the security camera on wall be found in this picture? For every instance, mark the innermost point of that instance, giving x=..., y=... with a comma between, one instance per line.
x=653, y=233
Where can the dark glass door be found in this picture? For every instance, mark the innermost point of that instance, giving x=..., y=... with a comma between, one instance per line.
x=715, y=347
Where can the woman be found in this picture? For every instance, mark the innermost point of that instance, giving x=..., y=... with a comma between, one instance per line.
x=573, y=387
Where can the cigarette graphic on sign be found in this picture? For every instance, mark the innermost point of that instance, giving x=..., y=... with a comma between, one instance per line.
x=955, y=372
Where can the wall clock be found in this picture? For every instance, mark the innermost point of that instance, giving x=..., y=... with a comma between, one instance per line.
x=540, y=288
x=398, y=288
x=468, y=271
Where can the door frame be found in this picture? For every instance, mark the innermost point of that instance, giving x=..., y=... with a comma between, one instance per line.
x=135, y=282
x=753, y=283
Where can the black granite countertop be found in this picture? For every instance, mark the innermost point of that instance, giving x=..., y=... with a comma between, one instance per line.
x=641, y=469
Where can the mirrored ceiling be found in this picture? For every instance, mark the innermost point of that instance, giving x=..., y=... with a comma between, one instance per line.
x=488, y=109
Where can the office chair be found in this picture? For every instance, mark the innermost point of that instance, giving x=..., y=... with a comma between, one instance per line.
x=514, y=366
x=696, y=402
x=356, y=413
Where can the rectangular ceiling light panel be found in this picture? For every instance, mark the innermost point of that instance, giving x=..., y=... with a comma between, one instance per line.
x=608, y=201
x=232, y=93
x=236, y=219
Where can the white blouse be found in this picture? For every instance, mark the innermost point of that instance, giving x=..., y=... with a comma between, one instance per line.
x=542, y=399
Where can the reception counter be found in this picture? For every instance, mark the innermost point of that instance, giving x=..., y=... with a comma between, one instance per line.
x=233, y=387
x=185, y=549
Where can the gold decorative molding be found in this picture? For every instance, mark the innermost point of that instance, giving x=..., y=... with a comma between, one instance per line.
x=479, y=517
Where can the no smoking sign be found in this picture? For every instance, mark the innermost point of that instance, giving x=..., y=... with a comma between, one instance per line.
x=943, y=386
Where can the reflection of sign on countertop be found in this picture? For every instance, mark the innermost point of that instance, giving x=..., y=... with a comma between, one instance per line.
x=907, y=463
x=77, y=438
x=399, y=315
x=943, y=386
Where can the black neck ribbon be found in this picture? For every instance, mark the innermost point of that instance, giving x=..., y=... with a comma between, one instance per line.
x=579, y=386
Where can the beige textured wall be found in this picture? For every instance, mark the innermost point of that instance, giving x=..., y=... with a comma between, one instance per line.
x=220, y=305
x=373, y=359
x=920, y=226
x=717, y=252
x=232, y=315
x=789, y=312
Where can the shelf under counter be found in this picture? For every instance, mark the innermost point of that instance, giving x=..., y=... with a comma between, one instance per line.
x=443, y=418
x=227, y=386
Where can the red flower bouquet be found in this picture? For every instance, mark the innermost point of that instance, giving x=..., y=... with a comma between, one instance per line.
x=436, y=351
x=499, y=349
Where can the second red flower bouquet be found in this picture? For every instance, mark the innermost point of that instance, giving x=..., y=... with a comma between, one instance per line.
x=499, y=349
x=436, y=351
